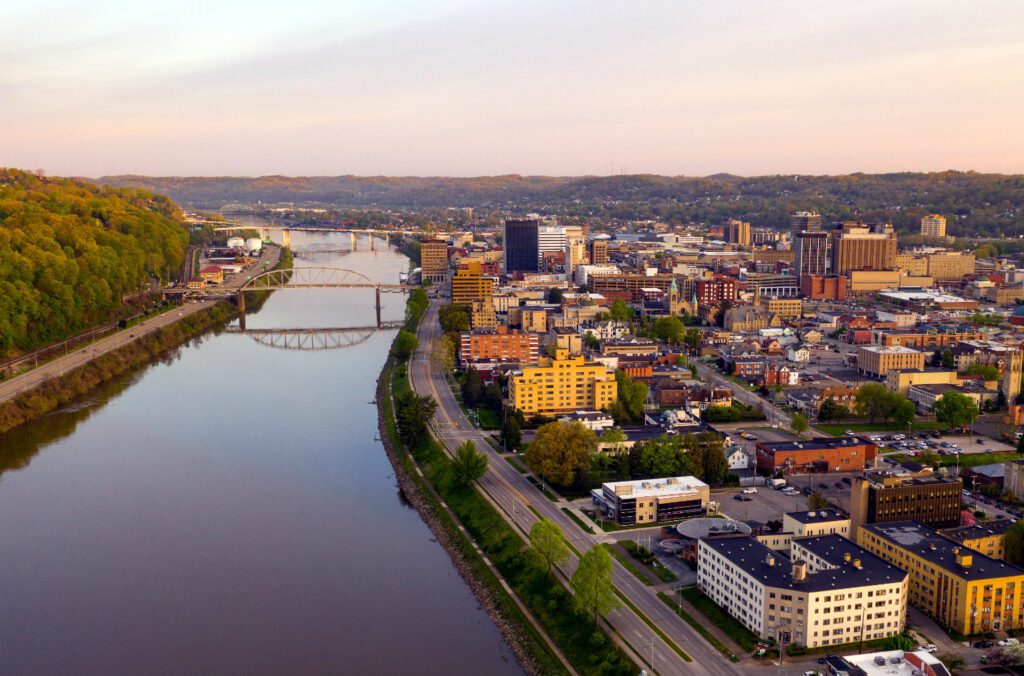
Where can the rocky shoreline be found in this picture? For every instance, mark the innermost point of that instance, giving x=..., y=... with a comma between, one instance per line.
x=425, y=507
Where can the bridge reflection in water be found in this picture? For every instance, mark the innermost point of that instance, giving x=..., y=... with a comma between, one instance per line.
x=314, y=338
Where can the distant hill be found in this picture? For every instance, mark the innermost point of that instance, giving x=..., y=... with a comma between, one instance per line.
x=70, y=251
x=976, y=204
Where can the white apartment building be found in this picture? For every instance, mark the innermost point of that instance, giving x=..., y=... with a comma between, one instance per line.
x=828, y=592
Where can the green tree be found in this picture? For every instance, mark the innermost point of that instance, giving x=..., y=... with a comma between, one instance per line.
x=554, y=296
x=947, y=359
x=1013, y=543
x=956, y=410
x=591, y=341
x=930, y=458
x=442, y=355
x=547, y=543
x=417, y=303
x=468, y=464
x=511, y=434
x=799, y=424
x=560, y=450
x=405, y=344
x=593, y=591
x=692, y=339
x=619, y=311
x=453, y=317
x=902, y=410
x=716, y=467
x=986, y=371
x=817, y=501
x=831, y=409
x=413, y=414
x=903, y=642
x=472, y=388
x=613, y=435
x=670, y=329
x=632, y=399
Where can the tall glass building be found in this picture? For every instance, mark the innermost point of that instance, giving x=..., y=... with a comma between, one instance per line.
x=522, y=252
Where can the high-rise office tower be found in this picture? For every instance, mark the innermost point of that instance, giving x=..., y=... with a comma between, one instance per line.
x=737, y=232
x=522, y=246
x=811, y=253
x=598, y=251
x=856, y=246
x=434, y=260
x=804, y=221
x=933, y=225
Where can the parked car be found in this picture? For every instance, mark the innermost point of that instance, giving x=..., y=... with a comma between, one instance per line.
x=822, y=485
x=929, y=647
x=846, y=480
x=984, y=644
x=750, y=489
x=1007, y=641
x=838, y=484
x=742, y=498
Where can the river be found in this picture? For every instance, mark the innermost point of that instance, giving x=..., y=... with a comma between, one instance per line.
x=230, y=511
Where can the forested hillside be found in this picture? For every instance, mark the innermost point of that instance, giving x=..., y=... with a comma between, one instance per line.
x=976, y=204
x=69, y=252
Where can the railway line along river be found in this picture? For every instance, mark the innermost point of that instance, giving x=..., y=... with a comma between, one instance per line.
x=229, y=510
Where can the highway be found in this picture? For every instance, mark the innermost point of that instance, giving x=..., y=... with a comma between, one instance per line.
x=83, y=355
x=514, y=495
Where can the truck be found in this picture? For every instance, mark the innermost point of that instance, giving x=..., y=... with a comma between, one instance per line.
x=777, y=484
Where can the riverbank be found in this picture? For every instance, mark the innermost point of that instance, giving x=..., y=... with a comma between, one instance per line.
x=54, y=393
x=531, y=608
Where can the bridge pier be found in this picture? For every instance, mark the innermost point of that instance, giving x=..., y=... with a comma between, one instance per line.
x=286, y=239
x=241, y=310
x=377, y=291
x=371, y=241
x=387, y=239
x=352, y=235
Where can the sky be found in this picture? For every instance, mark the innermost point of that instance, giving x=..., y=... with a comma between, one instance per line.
x=556, y=87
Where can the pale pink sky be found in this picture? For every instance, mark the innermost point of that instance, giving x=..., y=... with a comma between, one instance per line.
x=451, y=87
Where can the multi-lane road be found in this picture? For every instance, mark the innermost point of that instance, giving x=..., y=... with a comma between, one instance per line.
x=514, y=496
x=82, y=355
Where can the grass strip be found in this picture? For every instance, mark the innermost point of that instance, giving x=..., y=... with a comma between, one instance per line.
x=511, y=459
x=743, y=637
x=579, y=522
x=657, y=630
x=627, y=563
x=700, y=628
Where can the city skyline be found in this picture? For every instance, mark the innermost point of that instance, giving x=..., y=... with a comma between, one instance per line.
x=466, y=89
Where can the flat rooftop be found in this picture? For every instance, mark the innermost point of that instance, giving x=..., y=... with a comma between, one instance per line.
x=888, y=349
x=772, y=569
x=895, y=662
x=977, y=531
x=818, y=444
x=929, y=545
x=647, y=488
x=818, y=516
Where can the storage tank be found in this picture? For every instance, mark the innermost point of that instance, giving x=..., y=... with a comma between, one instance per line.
x=253, y=244
x=236, y=243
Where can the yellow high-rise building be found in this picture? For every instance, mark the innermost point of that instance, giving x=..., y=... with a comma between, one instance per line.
x=933, y=225
x=562, y=385
x=468, y=285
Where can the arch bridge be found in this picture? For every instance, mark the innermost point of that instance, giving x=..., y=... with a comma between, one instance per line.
x=313, y=338
x=298, y=278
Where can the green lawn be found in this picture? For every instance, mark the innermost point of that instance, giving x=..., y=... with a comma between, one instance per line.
x=698, y=627
x=489, y=420
x=578, y=520
x=627, y=563
x=917, y=426
x=718, y=617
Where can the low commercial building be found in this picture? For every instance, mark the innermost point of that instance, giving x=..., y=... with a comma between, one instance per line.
x=924, y=339
x=629, y=345
x=902, y=381
x=877, y=360
x=829, y=592
x=822, y=287
x=652, y=501
x=926, y=396
x=961, y=589
x=562, y=385
x=886, y=497
x=499, y=345
x=785, y=308
x=596, y=421
x=212, y=274
x=816, y=522
x=887, y=663
x=825, y=454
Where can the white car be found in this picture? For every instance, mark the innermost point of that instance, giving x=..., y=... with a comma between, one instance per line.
x=929, y=647
x=1007, y=641
x=750, y=490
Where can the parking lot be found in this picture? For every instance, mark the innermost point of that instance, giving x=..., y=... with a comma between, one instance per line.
x=942, y=444
x=769, y=504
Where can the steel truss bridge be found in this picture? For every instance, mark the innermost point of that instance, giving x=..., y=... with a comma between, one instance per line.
x=286, y=230
x=313, y=339
x=297, y=278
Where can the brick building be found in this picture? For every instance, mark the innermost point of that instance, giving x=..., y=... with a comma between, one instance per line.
x=827, y=454
x=499, y=345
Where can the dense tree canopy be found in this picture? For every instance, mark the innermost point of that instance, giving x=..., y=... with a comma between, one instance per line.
x=955, y=409
x=70, y=252
x=560, y=450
